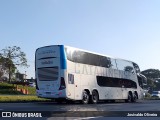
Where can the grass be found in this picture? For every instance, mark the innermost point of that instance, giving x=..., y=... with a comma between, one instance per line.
x=6, y=86
x=149, y=97
x=154, y=98
x=10, y=89
x=8, y=93
x=22, y=98
x=31, y=90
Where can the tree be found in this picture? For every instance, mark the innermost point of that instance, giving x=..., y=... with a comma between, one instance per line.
x=13, y=57
x=4, y=64
x=151, y=73
x=1, y=68
x=1, y=73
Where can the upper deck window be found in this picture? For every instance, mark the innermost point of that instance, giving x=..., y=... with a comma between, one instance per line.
x=88, y=58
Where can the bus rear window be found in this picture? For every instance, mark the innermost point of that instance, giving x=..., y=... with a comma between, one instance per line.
x=48, y=73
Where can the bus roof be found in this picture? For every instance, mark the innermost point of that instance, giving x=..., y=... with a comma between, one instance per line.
x=98, y=54
x=87, y=51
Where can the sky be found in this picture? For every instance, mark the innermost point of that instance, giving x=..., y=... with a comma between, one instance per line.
x=128, y=29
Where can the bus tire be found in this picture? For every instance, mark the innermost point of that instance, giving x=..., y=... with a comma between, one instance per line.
x=69, y=101
x=59, y=101
x=85, y=97
x=134, y=98
x=94, y=97
x=112, y=101
x=129, y=98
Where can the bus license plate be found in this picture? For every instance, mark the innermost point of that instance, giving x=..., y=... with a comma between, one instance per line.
x=48, y=93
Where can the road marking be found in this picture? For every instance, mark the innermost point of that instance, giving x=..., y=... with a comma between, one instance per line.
x=87, y=118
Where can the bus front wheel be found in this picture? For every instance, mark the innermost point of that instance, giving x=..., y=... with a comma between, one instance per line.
x=94, y=97
x=85, y=97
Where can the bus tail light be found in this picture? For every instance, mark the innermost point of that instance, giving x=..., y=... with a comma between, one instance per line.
x=36, y=84
x=62, y=84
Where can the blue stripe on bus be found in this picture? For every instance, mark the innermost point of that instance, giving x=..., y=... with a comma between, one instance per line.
x=63, y=58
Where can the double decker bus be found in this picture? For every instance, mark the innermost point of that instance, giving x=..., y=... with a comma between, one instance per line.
x=65, y=73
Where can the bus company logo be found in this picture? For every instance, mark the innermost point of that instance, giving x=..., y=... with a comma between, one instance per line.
x=46, y=52
x=23, y=114
x=46, y=62
x=6, y=114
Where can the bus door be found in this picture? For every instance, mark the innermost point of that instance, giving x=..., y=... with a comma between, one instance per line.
x=77, y=85
x=122, y=89
x=123, y=93
x=71, y=86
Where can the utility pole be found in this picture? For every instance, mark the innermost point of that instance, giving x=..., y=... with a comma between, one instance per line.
x=25, y=77
x=9, y=56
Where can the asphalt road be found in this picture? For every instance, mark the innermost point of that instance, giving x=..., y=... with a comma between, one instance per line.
x=79, y=111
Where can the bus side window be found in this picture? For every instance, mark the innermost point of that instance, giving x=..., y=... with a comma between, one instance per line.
x=70, y=79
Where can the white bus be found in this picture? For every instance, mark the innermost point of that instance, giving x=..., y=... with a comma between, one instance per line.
x=67, y=73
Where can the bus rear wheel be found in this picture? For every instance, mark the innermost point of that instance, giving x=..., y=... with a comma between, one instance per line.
x=94, y=97
x=85, y=97
x=134, y=98
x=129, y=98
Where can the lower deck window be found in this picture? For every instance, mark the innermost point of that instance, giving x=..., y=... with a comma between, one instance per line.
x=115, y=82
x=70, y=79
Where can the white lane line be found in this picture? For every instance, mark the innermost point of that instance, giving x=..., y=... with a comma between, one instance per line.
x=87, y=118
x=1, y=109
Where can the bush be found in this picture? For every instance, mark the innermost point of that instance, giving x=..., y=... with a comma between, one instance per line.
x=11, y=89
x=31, y=90
x=147, y=95
x=10, y=92
x=6, y=86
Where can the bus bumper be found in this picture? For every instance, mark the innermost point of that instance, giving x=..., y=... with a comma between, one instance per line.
x=50, y=94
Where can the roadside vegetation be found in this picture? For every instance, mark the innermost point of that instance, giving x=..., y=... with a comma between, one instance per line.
x=9, y=93
x=22, y=98
x=149, y=97
x=8, y=89
x=153, y=79
x=15, y=89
